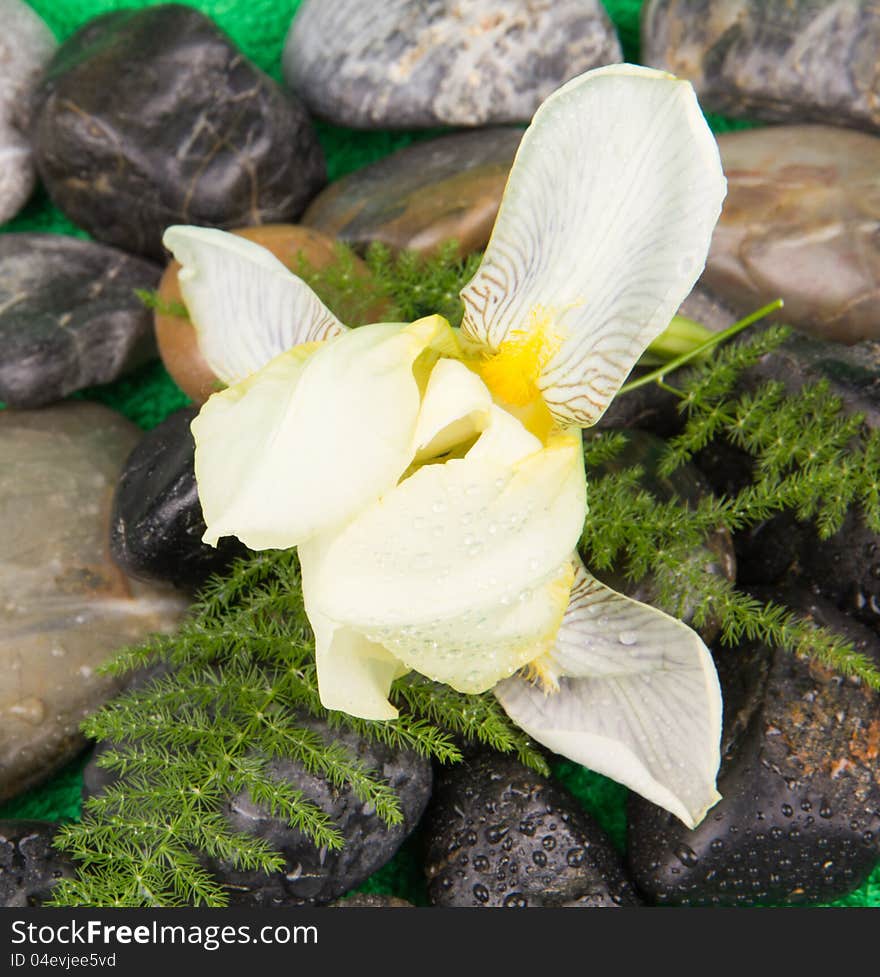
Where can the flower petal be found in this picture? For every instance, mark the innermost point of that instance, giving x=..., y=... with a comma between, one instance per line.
x=247, y=308
x=455, y=407
x=309, y=440
x=463, y=571
x=637, y=699
x=603, y=230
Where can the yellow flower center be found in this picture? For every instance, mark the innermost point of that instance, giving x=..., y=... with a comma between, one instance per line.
x=512, y=374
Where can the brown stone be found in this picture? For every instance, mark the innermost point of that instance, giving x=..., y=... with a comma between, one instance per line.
x=801, y=222
x=66, y=607
x=176, y=336
x=423, y=195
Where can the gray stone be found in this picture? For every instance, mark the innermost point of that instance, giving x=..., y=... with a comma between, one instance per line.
x=415, y=63
x=801, y=222
x=799, y=819
x=498, y=834
x=69, y=316
x=29, y=865
x=66, y=607
x=777, y=60
x=26, y=44
x=152, y=117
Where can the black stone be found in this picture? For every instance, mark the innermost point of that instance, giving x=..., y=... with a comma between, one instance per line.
x=499, y=834
x=314, y=875
x=69, y=316
x=800, y=780
x=157, y=524
x=29, y=865
x=152, y=117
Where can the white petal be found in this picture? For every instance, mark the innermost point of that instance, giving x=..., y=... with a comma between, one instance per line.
x=463, y=571
x=246, y=307
x=354, y=674
x=308, y=441
x=455, y=407
x=638, y=700
x=603, y=230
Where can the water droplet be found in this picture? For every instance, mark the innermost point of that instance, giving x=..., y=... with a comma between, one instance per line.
x=516, y=900
x=481, y=893
x=787, y=810
x=686, y=855
x=539, y=858
x=495, y=833
x=31, y=710
x=627, y=637
x=548, y=842
x=481, y=863
x=575, y=857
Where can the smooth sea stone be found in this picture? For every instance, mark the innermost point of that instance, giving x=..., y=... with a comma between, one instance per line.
x=686, y=484
x=418, y=63
x=422, y=195
x=498, y=834
x=796, y=61
x=26, y=44
x=69, y=316
x=29, y=865
x=152, y=117
x=801, y=222
x=66, y=607
x=291, y=244
x=800, y=780
x=157, y=524
x=313, y=875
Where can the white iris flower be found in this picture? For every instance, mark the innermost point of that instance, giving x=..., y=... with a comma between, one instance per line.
x=433, y=479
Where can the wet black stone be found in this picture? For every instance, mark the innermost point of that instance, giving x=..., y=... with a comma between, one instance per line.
x=845, y=568
x=29, y=865
x=152, y=117
x=157, y=524
x=313, y=875
x=69, y=316
x=499, y=834
x=800, y=780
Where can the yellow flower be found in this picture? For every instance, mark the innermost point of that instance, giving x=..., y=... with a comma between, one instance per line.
x=433, y=478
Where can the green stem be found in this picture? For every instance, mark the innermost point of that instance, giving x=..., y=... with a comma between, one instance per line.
x=656, y=376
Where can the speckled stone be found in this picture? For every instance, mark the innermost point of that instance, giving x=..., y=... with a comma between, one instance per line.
x=152, y=117
x=26, y=44
x=800, y=780
x=801, y=222
x=157, y=524
x=292, y=245
x=797, y=61
x=29, y=865
x=311, y=875
x=67, y=608
x=69, y=316
x=370, y=901
x=423, y=195
x=498, y=834
x=412, y=63
x=715, y=557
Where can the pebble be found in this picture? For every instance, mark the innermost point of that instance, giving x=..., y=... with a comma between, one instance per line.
x=152, y=117
x=500, y=835
x=800, y=780
x=423, y=195
x=291, y=244
x=804, y=61
x=420, y=63
x=66, y=607
x=69, y=316
x=801, y=223
x=26, y=44
x=157, y=523
x=312, y=875
x=29, y=865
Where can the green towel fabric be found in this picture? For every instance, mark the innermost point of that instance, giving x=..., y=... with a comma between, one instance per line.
x=259, y=28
